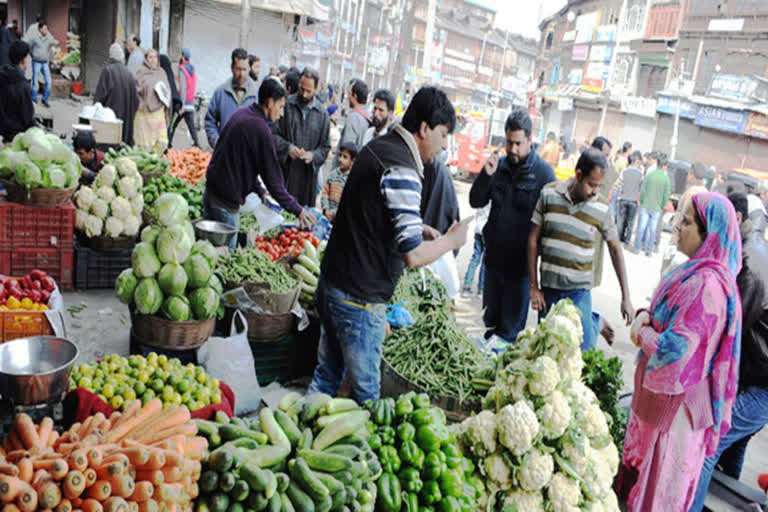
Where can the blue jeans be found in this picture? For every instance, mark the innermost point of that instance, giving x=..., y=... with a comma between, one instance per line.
x=646, y=230
x=478, y=258
x=41, y=67
x=506, y=300
x=350, y=344
x=750, y=414
x=582, y=299
x=221, y=214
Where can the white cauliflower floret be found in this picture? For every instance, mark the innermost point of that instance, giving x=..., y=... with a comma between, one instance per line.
x=611, y=503
x=570, y=364
x=107, y=175
x=525, y=501
x=131, y=225
x=137, y=204
x=113, y=227
x=611, y=455
x=106, y=193
x=592, y=421
x=598, y=479
x=511, y=381
x=480, y=433
x=580, y=396
x=81, y=216
x=93, y=226
x=577, y=455
x=563, y=323
x=120, y=207
x=536, y=471
x=564, y=493
x=126, y=167
x=543, y=376
x=84, y=198
x=593, y=506
x=518, y=427
x=127, y=186
x=100, y=208
x=554, y=416
x=498, y=471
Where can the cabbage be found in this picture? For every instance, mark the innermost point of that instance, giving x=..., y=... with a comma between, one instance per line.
x=113, y=227
x=137, y=204
x=60, y=153
x=144, y=260
x=28, y=174
x=126, y=187
x=54, y=177
x=149, y=234
x=41, y=151
x=189, y=229
x=121, y=208
x=131, y=225
x=93, y=226
x=31, y=135
x=215, y=283
x=106, y=193
x=204, y=302
x=176, y=309
x=18, y=143
x=73, y=169
x=173, y=245
x=207, y=249
x=148, y=297
x=81, y=216
x=107, y=175
x=171, y=209
x=198, y=271
x=125, y=286
x=100, y=208
x=84, y=198
x=172, y=279
x=126, y=167
x=8, y=159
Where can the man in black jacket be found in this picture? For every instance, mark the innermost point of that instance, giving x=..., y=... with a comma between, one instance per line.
x=16, y=110
x=750, y=411
x=512, y=185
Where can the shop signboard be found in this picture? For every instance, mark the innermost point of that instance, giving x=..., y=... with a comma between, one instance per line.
x=585, y=27
x=580, y=52
x=724, y=119
x=668, y=105
x=638, y=106
x=606, y=33
x=601, y=53
x=732, y=87
x=592, y=84
x=565, y=104
x=757, y=125
x=575, y=76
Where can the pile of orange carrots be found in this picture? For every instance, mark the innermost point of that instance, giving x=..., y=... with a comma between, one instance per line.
x=188, y=164
x=145, y=459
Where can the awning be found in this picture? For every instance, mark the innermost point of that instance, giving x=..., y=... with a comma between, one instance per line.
x=568, y=91
x=658, y=59
x=317, y=9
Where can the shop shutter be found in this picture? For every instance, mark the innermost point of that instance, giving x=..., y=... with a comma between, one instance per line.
x=640, y=131
x=587, y=123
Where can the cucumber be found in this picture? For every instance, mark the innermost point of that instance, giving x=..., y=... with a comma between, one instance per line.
x=275, y=504
x=351, y=496
x=288, y=400
x=214, y=441
x=305, y=441
x=337, y=405
x=221, y=460
x=286, y=505
x=255, y=477
x=247, y=443
x=338, y=499
x=226, y=481
x=324, y=505
x=312, y=405
x=305, y=274
x=310, y=251
x=232, y=432
x=324, y=461
x=238, y=422
x=221, y=418
x=310, y=265
x=340, y=428
x=271, y=489
x=345, y=477
x=209, y=481
x=282, y=481
x=206, y=428
x=257, y=501
x=324, y=421
x=347, y=450
x=240, y=490
x=290, y=429
x=266, y=456
x=358, y=469
x=219, y=502
x=272, y=429
x=354, y=440
x=301, y=500
x=331, y=483
x=308, y=481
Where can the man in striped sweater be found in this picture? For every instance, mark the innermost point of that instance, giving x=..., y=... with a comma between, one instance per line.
x=567, y=219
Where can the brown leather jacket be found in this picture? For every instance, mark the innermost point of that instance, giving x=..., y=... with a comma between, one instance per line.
x=753, y=287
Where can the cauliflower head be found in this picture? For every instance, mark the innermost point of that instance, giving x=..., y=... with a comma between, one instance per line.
x=555, y=415
x=578, y=454
x=536, y=471
x=480, y=433
x=126, y=167
x=564, y=493
x=81, y=216
x=100, y=208
x=610, y=454
x=113, y=227
x=84, y=198
x=498, y=471
x=525, y=501
x=106, y=193
x=563, y=323
x=107, y=175
x=543, y=376
x=131, y=225
x=580, y=396
x=611, y=503
x=120, y=208
x=93, y=226
x=570, y=364
x=127, y=186
x=598, y=478
x=592, y=421
x=517, y=426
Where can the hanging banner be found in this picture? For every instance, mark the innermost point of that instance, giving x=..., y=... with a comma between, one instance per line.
x=724, y=119
x=638, y=106
x=668, y=105
x=580, y=52
x=601, y=53
x=757, y=125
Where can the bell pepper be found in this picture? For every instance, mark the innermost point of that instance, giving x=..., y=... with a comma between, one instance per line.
x=371, y=427
x=449, y=504
x=429, y=437
x=478, y=484
x=411, y=502
x=426, y=508
x=404, y=405
x=406, y=432
x=430, y=493
x=384, y=411
x=433, y=467
x=35, y=295
x=421, y=401
x=451, y=483
x=374, y=442
x=411, y=454
x=387, y=434
x=37, y=274
x=421, y=417
x=36, y=285
x=453, y=456
x=465, y=504
x=390, y=461
x=389, y=495
x=410, y=480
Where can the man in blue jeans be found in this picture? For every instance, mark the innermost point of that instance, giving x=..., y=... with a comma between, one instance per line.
x=378, y=230
x=750, y=411
x=653, y=197
x=40, y=43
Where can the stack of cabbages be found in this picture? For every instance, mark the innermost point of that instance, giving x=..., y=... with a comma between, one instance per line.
x=171, y=274
x=542, y=441
x=36, y=159
x=113, y=205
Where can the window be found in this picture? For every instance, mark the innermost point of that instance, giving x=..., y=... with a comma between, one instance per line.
x=707, y=69
x=623, y=71
x=548, y=44
x=634, y=20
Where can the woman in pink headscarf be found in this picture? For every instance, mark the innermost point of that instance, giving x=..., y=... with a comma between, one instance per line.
x=687, y=369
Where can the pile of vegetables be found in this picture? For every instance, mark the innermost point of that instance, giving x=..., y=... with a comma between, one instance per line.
x=30, y=292
x=434, y=353
x=144, y=459
x=171, y=273
x=119, y=381
x=307, y=269
x=249, y=222
x=422, y=462
x=542, y=442
x=112, y=206
x=310, y=454
x=249, y=265
x=146, y=161
x=167, y=183
x=288, y=243
x=189, y=165
x=604, y=376
x=39, y=160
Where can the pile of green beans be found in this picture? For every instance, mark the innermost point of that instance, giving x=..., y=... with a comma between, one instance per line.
x=251, y=265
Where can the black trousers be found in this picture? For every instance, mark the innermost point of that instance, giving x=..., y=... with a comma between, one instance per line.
x=626, y=214
x=189, y=118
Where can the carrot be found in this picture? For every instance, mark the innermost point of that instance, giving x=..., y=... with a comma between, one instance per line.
x=137, y=455
x=106, y=471
x=67, y=448
x=14, y=455
x=188, y=428
x=95, y=456
x=27, y=500
x=9, y=507
x=26, y=470
x=100, y=490
x=122, y=486
x=90, y=477
x=172, y=473
x=14, y=441
x=195, y=448
x=10, y=488
x=85, y=426
x=46, y=427
x=91, y=505
x=64, y=506
x=146, y=414
x=148, y=506
x=115, y=504
x=76, y=502
x=8, y=469
x=25, y=427
x=78, y=460
x=48, y=494
x=98, y=419
x=172, y=492
x=117, y=458
x=74, y=484
x=58, y=468
x=156, y=477
x=143, y=491
x=133, y=506
x=130, y=411
x=52, y=439
x=156, y=460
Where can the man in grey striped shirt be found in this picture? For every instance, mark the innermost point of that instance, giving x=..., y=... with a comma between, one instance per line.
x=567, y=219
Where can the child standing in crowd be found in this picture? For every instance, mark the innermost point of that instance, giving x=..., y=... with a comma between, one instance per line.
x=478, y=254
x=334, y=185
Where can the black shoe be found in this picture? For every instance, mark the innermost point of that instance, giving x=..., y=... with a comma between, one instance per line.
x=46, y=104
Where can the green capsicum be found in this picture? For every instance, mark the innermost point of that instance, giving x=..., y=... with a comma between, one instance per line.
x=387, y=434
x=371, y=427
x=433, y=467
x=384, y=411
x=389, y=495
x=453, y=456
x=390, y=461
x=426, y=508
x=411, y=502
x=404, y=405
x=451, y=483
x=478, y=484
x=374, y=442
x=449, y=504
x=410, y=480
x=421, y=401
x=465, y=504
x=406, y=432
x=429, y=437
x=411, y=454
x=467, y=466
x=430, y=493
x=421, y=417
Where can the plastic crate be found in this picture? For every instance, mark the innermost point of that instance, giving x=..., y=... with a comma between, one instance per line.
x=58, y=263
x=276, y=360
x=36, y=227
x=99, y=269
x=20, y=324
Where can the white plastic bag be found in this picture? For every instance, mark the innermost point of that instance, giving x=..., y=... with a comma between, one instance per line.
x=231, y=360
x=55, y=313
x=446, y=271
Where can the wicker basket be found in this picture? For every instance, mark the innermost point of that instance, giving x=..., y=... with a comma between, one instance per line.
x=268, y=326
x=37, y=196
x=105, y=243
x=162, y=333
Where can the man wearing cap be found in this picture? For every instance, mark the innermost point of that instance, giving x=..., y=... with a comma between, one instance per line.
x=187, y=88
x=117, y=90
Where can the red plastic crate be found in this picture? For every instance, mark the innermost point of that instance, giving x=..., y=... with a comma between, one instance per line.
x=36, y=227
x=58, y=263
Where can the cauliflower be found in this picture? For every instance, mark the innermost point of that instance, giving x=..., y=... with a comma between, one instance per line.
x=127, y=186
x=593, y=506
x=611, y=455
x=480, y=433
x=598, y=478
x=81, y=216
x=554, y=416
x=578, y=454
x=100, y=208
x=570, y=364
x=498, y=471
x=106, y=193
x=611, y=503
x=543, y=376
x=113, y=227
x=524, y=501
x=580, y=396
x=592, y=421
x=107, y=176
x=84, y=198
x=120, y=207
x=536, y=471
x=517, y=426
x=93, y=226
x=137, y=204
x=510, y=383
x=563, y=324
x=564, y=493
x=126, y=167
x=131, y=225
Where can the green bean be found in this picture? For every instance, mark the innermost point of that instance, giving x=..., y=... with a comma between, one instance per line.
x=251, y=265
